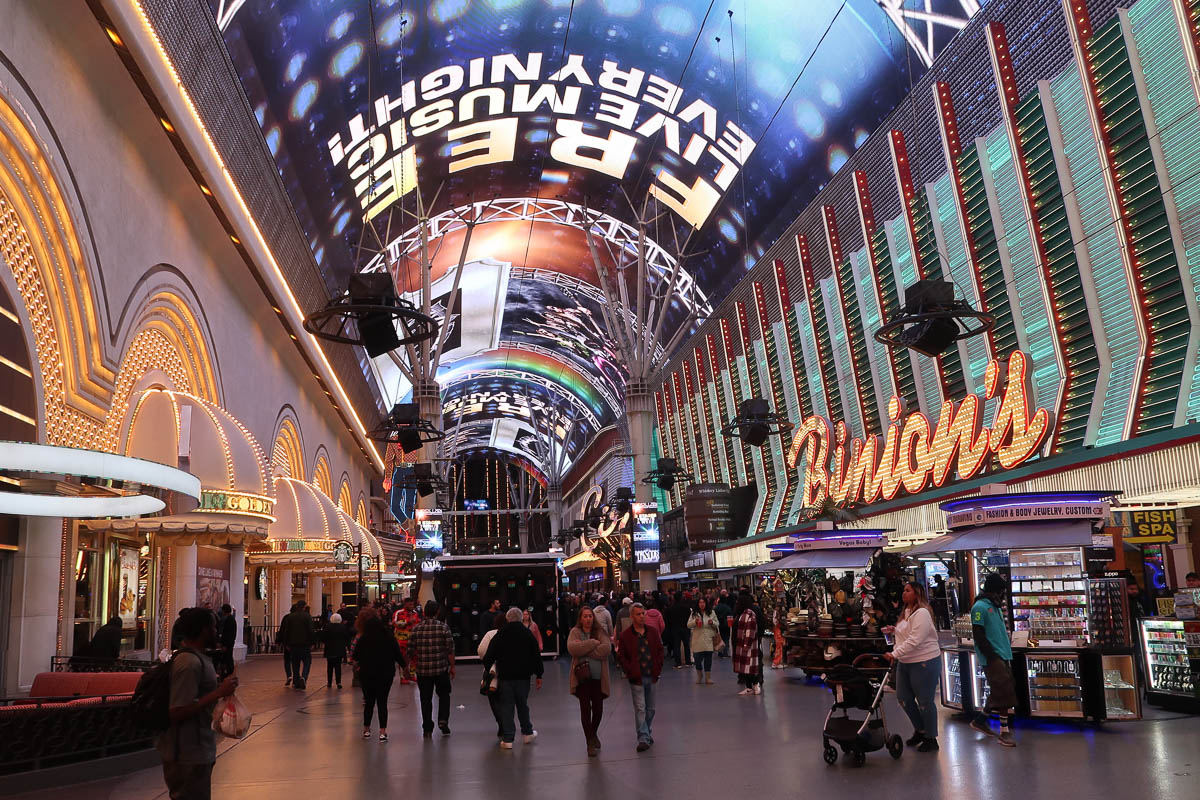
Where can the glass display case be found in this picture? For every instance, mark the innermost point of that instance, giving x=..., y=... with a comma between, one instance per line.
x=1050, y=595
x=1055, y=688
x=952, y=685
x=1109, y=613
x=980, y=690
x=1168, y=667
x=1122, y=700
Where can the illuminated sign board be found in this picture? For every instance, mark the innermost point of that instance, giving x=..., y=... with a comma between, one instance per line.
x=230, y=502
x=1151, y=527
x=803, y=543
x=342, y=553
x=429, y=536
x=914, y=455
x=706, y=510
x=646, y=536
x=998, y=510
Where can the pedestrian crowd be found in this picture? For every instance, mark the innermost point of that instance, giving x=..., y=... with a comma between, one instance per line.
x=609, y=639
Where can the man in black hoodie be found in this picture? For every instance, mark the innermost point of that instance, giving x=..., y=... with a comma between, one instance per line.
x=515, y=653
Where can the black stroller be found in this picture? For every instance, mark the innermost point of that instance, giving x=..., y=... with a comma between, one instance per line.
x=861, y=689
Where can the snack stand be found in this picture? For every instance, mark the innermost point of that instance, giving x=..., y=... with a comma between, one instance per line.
x=1073, y=653
x=824, y=632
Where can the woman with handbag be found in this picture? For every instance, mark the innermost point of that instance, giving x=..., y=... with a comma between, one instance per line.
x=589, y=647
x=705, y=638
x=489, y=685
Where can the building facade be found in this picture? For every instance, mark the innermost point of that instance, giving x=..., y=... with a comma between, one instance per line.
x=135, y=322
x=1043, y=166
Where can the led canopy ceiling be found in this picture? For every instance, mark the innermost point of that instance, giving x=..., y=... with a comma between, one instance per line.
x=548, y=116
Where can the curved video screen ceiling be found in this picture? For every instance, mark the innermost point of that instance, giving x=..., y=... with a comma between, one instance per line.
x=732, y=116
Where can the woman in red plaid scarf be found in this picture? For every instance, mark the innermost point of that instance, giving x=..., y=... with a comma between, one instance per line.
x=747, y=657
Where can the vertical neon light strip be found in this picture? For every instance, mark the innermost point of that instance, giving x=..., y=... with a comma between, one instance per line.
x=673, y=425
x=791, y=318
x=952, y=150
x=686, y=428
x=766, y=485
x=839, y=342
x=899, y=366
x=733, y=388
x=697, y=404
x=666, y=449
x=949, y=372
x=821, y=341
x=1080, y=27
x=848, y=308
x=771, y=380
x=717, y=405
x=1006, y=86
x=1167, y=45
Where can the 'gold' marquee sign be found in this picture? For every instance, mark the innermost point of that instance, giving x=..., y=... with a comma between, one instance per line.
x=254, y=505
x=913, y=455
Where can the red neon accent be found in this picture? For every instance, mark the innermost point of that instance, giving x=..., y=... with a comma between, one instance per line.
x=866, y=216
x=810, y=288
x=853, y=337
x=949, y=125
x=1002, y=61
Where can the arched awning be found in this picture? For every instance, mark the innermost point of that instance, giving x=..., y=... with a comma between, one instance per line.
x=308, y=525
x=191, y=433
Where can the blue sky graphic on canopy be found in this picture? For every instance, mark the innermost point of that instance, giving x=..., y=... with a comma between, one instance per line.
x=487, y=98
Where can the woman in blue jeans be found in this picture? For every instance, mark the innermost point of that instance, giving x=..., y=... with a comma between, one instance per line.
x=918, y=655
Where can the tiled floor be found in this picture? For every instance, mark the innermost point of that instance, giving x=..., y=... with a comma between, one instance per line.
x=709, y=743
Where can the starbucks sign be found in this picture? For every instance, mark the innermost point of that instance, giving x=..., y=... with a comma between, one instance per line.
x=342, y=553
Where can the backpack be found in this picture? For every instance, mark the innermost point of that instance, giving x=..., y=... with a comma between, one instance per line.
x=151, y=701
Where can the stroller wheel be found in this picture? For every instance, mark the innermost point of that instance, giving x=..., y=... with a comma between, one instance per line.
x=895, y=745
x=830, y=754
x=858, y=757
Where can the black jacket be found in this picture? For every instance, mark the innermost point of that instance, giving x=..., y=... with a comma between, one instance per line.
x=297, y=630
x=336, y=637
x=228, y=632
x=514, y=651
x=106, y=643
x=377, y=653
x=678, y=615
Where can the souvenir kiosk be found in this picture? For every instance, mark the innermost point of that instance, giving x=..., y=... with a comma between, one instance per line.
x=1073, y=655
x=823, y=630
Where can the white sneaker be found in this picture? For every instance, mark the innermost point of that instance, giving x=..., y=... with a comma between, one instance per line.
x=530, y=737
x=506, y=745
x=758, y=688
x=746, y=691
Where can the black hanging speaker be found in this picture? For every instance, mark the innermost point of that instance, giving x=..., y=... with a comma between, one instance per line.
x=377, y=329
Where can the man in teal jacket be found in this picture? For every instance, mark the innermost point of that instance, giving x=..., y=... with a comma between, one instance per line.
x=994, y=650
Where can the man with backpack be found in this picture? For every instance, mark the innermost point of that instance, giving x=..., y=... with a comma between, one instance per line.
x=188, y=746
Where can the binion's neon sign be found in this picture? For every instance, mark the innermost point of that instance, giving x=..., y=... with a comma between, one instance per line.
x=913, y=454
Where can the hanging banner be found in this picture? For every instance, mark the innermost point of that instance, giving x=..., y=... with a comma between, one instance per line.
x=212, y=577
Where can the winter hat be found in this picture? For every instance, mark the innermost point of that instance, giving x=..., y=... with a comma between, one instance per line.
x=994, y=583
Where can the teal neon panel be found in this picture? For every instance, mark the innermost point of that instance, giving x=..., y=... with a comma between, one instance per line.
x=841, y=352
x=1026, y=274
x=1108, y=272
x=906, y=275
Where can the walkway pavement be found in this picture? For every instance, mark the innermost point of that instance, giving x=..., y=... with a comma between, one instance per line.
x=709, y=742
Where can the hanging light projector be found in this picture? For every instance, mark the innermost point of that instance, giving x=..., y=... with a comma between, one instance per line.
x=666, y=474
x=932, y=320
x=755, y=423
x=404, y=426
x=371, y=314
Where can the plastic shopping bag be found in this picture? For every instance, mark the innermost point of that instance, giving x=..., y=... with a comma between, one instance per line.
x=231, y=717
